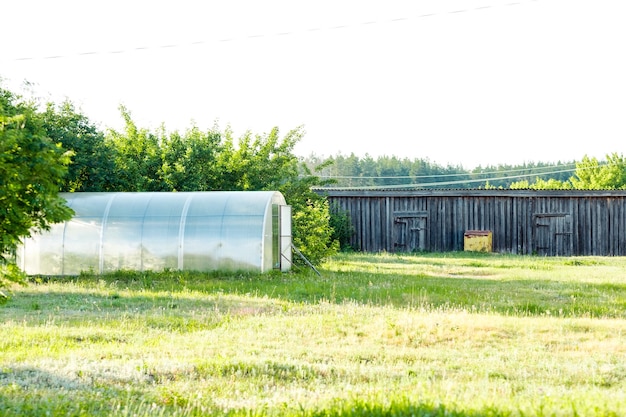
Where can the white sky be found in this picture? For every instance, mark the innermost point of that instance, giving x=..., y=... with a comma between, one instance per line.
x=474, y=82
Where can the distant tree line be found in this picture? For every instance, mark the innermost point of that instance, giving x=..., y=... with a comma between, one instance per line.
x=392, y=172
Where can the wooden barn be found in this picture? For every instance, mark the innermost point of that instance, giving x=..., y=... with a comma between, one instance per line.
x=542, y=222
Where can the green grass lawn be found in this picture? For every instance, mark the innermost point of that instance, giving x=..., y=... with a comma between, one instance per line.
x=460, y=334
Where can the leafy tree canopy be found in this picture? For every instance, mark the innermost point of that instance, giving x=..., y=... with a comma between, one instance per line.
x=594, y=175
x=215, y=160
x=541, y=184
x=92, y=167
x=32, y=167
x=137, y=157
x=590, y=174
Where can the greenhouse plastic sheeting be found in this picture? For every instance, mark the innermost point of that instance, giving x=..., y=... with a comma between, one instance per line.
x=220, y=230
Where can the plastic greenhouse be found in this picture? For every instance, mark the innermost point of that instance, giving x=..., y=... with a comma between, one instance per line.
x=203, y=231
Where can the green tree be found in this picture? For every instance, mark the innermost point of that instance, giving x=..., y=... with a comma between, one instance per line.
x=341, y=223
x=259, y=162
x=93, y=163
x=215, y=160
x=137, y=157
x=267, y=162
x=593, y=175
x=32, y=168
x=313, y=232
x=541, y=184
x=190, y=161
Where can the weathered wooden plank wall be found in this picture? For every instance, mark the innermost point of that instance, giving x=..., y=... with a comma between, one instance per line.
x=541, y=222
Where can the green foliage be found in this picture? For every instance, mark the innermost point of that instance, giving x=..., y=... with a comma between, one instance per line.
x=9, y=272
x=189, y=162
x=541, y=184
x=590, y=174
x=31, y=169
x=342, y=227
x=593, y=175
x=313, y=236
x=546, y=175
x=366, y=171
x=93, y=165
x=216, y=160
x=259, y=162
x=137, y=157
x=383, y=171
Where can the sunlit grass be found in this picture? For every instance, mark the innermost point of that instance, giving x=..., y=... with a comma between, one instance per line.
x=431, y=334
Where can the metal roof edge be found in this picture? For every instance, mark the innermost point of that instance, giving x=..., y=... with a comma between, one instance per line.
x=466, y=192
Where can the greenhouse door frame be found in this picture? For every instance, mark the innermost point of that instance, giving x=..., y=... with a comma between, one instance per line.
x=285, y=238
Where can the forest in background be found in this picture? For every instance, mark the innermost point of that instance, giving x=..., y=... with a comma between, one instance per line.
x=354, y=171
x=392, y=172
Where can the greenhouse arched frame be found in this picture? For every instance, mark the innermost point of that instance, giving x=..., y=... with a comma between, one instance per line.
x=155, y=231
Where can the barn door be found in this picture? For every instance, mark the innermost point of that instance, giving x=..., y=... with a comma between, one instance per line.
x=553, y=234
x=409, y=231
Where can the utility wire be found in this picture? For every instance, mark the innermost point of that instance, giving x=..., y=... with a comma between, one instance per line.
x=460, y=174
x=266, y=35
x=440, y=183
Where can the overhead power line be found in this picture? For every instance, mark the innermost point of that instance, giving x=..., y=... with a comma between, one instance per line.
x=265, y=35
x=548, y=171
x=455, y=182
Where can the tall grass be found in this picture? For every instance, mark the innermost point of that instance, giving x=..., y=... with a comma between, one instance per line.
x=429, y=335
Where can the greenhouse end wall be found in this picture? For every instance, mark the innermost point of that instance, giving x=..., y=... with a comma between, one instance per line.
x=203, y=231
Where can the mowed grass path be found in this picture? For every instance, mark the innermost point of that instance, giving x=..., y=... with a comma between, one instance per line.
x=429, y=335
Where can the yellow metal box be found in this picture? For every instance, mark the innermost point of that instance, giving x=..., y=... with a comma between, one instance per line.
x=477, y=241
